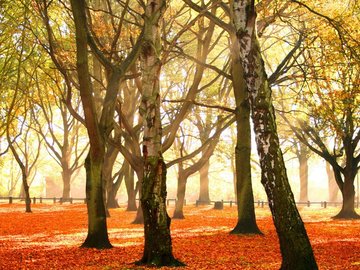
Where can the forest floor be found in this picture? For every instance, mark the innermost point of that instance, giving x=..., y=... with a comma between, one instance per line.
x=49, y=238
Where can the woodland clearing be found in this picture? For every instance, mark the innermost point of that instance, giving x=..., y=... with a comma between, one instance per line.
x=49, y=238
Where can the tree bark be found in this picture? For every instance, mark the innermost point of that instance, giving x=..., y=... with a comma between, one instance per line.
x=181, y=189
x=24, y=174
x=294, y=243
x=333, y=188
x=158, y=246
x=66, y=177
x=303, y=173
x=204, y=195
x=97, y=236
x=113, y=189
x=109, y=187
x=246, y=223
x=139, y=218
x=27, y=196
x=130, y=189
x=111, y=199
x=345, y=178
x=348, y=193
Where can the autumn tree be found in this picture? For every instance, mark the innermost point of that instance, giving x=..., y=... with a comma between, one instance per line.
x=62, y=138
x=187, y=165
x=327, y=119
x=294, y=243
x=97, y=230
x=16, y=90
x=99, y=128
x=246, y=212
x=158, y=246
x=243, y=183
x=99, y=108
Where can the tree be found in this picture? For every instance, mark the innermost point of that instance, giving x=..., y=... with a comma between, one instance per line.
x=99, y=125
x=97, y=230
x=244, y=192
x=16, y=91
x=64, y=146
x=158, y=246
x=25, y=154
x=207, y=149
x=246, y=212
x=302, y=153
x=329, y=123
x=294, y=243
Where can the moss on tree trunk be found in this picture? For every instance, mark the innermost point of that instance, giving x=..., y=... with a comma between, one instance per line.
x=158, y=248
x=97, y=236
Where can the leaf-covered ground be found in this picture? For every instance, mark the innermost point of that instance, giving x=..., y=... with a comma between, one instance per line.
x=49, y=238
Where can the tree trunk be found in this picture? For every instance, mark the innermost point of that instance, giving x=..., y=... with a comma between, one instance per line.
x=348, y=193
x=303, y=173
x=66, y=177
x=246, y=223
x=27, y=193
x=110, y=189
x=111, y=199
x=158, y=246
x=333, y=187
x=131, y=201
x=233, y=168
x=294, y=243
x=25, y=186
x=139, y=218
x=66, y=158
x=113, y=187
x=112, y=203
x=204, y=196
x=130, y=188
x=97, y=236
x=181, y=188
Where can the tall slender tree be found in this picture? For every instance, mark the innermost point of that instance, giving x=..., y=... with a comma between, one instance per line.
x=99, y=127
x=16, y=80
x=97, y=230
x=246, y=223
x=295, y=246
x=158, y=246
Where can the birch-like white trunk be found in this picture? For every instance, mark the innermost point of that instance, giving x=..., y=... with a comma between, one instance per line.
x=158, y=247
x=294, y=243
